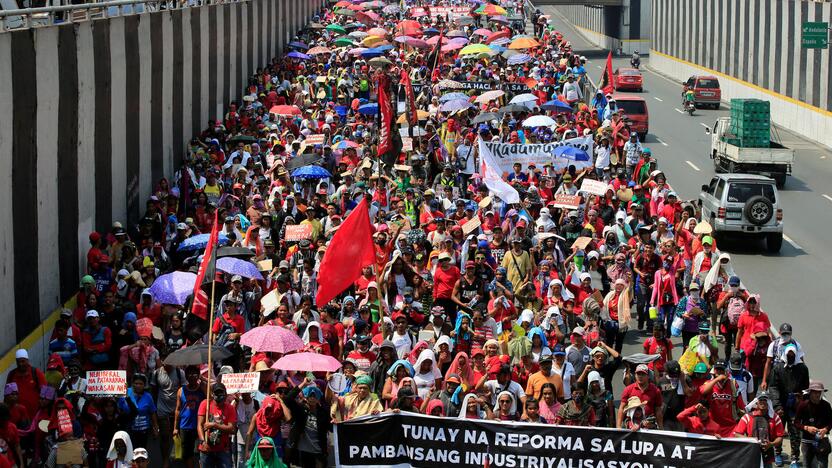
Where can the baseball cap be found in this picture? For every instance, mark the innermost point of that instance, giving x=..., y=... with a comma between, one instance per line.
x=92, y=313
x=721, y=364
x=283, y=264
x=558, y=351
x=139, y=453
x=21, y=354
x=673, y=368
x=545, y=358
x=693, y=286
x=444, y=256
x=454, y=378
x=785, y=328
x=578, y=331
x=735, y=362
x=236, y=279
x=734, y=281
x=642, y=369
x=707, y=240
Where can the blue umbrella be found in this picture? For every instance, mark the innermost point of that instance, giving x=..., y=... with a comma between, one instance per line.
x=369, y=109
x=518, y=59
x=298, y=55
x=454, y=105
x=556, y=105
x=236, y=266
x=572, y=153
x=452, y=96
x=385, y=47
x=173, y=288
x=311, y=172
x=298, y=45
x=199, y=241
x=429, y=31
x=374, y=52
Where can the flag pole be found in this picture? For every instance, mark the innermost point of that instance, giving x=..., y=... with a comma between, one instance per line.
x=210, y=346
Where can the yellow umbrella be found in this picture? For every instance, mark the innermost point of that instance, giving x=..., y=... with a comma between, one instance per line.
x=420, y=114
x=474, y=49
x=371, y=41
x=523, y=43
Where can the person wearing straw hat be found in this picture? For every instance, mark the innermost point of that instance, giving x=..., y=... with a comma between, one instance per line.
x=814, y=419
x=649, y=396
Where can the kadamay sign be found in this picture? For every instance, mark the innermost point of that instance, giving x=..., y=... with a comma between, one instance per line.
x=426, y=441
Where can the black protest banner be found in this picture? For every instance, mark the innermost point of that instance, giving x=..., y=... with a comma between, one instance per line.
x=425, y=441
x=511, y=89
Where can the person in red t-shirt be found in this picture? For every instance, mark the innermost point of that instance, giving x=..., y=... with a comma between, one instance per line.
x=661, y=345
x=725, y=403
x=753, y=314
x=696, y=419
x=230, y=321
x=361, y=355
x=444, y=279
x=148, y=308
x=215, y=433
x=649, y=394
x=763, y=425
x=29, y=381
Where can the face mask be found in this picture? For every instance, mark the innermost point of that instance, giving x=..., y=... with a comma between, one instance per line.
x=694, y=295
x=219, y=398
x=790, y=358
x=734, y=289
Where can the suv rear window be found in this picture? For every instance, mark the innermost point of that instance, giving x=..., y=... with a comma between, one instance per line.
x=707, y=83
x=632, y=107
x=740, y=192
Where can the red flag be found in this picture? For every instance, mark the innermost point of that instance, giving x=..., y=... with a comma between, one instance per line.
x=206, y=269
x=412, y=116
x=434, y=58
x=350, y=250
x=606, y=84
x=385, y=108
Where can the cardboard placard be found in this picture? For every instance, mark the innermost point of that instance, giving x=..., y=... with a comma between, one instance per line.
x=298, y=232
x=581, y=242
x=107, y=382
x=569, y=202
x=70, y=452
x=471, y=225
x=407, y=144
x=594, y=187
x=247, y=382
x=315, y=139
x=270, y=302
x=265, y=265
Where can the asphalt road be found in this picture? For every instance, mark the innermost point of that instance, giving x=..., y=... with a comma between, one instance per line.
x=793, y=284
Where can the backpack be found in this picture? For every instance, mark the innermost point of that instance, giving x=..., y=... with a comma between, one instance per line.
x=733, y=310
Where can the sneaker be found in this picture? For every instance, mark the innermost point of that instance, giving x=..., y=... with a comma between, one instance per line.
x=778, y=459
x=794, y=465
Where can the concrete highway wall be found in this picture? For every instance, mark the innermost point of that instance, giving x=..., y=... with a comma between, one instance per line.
x=96, y=113
x=610, y=27
x=753, y=46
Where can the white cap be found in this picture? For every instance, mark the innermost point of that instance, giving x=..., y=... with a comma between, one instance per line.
x=139, y=453
x=92, y=313
x=21, y=354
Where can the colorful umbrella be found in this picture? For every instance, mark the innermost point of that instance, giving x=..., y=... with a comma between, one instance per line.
x=452, y=46
x=498, y=35
x=420, y=115
x=454, y=105
x=344, y=42
x=521, y=98
x=556, y=105
x=391, y=9
x=336, y=28
x=452, y=96
x=450, y=84
x=198, y=242
x=344, y=144
x=373, y=4
x=409, y=28
x=490, y=9
x=571, y=153
x=344, y=12
x=271, y=339
x=298, y=55
x=319, y=50
x=358, y=34
x=379, y=62
x=173, y=288
x=523, y=43
x=285, y=110
x=298, y=45
x=499, y=19
x=380, y=32
x=369, y=109
x=371, y=40
x=357, y=51
x=307, y=362
x=433, y=40
x=456, y=33
x=474, y=49
x=236, y=266
x=490, y=96
x=517, y=59
x=483, y=32
x=368, y=16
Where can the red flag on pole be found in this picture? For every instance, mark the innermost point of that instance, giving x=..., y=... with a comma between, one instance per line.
x=412, y=116
x=350, y=250
x=606, y=85
x=385, y=109
x=207, y=269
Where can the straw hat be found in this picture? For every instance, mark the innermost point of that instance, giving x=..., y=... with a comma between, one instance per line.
x=703, y=227
x=632, y=403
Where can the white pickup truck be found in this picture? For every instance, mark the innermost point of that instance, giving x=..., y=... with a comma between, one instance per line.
x=775, y=161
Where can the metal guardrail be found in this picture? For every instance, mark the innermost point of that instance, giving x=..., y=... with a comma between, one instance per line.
x=24, y=18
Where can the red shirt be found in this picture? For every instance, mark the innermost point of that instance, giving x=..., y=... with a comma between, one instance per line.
x=692, y=423
x=444, y=281
x=745, y=325
x=650, y=396
x=721, y=399
x=222, y=414
x=362, y=361
x=662, y=348
x=268, y=417
x=28, y=387
x=238, y=322
x=154, y=313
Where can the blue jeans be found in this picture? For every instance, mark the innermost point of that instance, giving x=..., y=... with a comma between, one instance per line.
x=666, y=314
x=215, y=459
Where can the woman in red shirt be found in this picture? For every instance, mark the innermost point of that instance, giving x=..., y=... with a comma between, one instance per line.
x=664, y=296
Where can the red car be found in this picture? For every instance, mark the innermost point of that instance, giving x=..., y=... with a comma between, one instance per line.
x=634, y=109
x=705, y=89
x=628, y=79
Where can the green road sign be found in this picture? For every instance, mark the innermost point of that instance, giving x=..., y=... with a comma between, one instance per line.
x=815, y=35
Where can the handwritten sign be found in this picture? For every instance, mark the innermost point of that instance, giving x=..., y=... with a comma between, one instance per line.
x=316, y=139
x=298, y=232
x=582, y=242
x=407, y=144
x=569, y=202
x=471, y=225
x=241, y=383
x=107, y=382
x=594, y=187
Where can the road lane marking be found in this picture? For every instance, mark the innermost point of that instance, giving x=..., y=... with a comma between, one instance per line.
x=704, y=125
x=693, y=166
x=827, y=197
x=792, y=242
x=598, y=67
x=658, y=99
x=661, y=141
x=679, y=110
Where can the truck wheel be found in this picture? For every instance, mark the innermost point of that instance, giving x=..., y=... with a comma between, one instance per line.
x=758, y=210
x=774, y=241
x=779, y=179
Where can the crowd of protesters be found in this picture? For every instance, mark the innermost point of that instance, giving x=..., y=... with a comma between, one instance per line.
x=523, y=318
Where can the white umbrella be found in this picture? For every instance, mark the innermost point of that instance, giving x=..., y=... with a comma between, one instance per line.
x=539, y=121
x=521, y=98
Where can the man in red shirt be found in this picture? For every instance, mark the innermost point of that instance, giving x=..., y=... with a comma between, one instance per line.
x=361, y=356
x=697, y=419
x=444, y=280
x=95, y=254
x=648, y=393
x=721, y=394
x=29, y=381
x=752, y=315
x=230, y=322
x=215, y=433
x=763, y=425
x=661, y=345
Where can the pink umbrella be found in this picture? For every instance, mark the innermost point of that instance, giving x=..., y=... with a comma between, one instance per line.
x=452, y=46
x=309, y=362
x=418, y=43
x=483, y=32
x=271, y=339
x=380, y=32
x=433, y=40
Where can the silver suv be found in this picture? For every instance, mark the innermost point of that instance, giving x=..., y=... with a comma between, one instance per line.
x=744, y=203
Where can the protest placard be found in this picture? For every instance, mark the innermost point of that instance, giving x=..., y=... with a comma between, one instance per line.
x=107, y=382
x=270, y=302
x=594, y=187
x=471, y=225
x=315, y=139
x=569, y=202
x=407, y=144
x=298, y=232
x=241, y=383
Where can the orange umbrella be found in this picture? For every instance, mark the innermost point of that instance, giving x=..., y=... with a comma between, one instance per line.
x=380, y=32
x=409, y=28
x=523, y=43
x=285, y=110
x=318, y=50
x=497, y=35
x=343, y=4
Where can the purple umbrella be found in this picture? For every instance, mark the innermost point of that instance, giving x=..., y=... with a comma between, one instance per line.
x=454, y=105
x=236, y=266
x=173, y=288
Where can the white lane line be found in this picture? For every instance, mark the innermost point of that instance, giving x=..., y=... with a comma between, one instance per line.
x=693, y=166
x=827, y=197
x=792, y=242
x=658, y=99
x=679, y=110
x=661, y=141
x=598, y=67
x=704, y=125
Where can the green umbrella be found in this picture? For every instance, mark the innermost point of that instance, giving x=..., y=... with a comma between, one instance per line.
x=344, y=12
x=336, y=28
x=344, y=42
